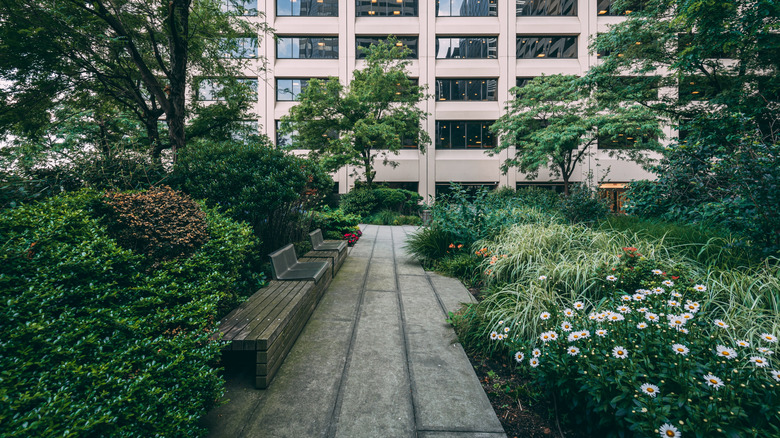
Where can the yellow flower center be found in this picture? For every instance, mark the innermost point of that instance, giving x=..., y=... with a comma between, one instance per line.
x=726, y=353
x=620, y=352
x=668, y=432
x=680, y=349
x=713, y=381
x=650, y=390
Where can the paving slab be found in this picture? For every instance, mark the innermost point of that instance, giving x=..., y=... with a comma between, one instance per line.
x=451, y=292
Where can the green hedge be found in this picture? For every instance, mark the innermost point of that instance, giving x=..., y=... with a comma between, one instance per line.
x=99, y=341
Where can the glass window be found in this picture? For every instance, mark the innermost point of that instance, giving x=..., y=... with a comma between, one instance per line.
x=484, y=47
x=523, y=81
x=245, y=47
x=546, y=46
x=638, y=88
x=307, y=48
x=386, y=8
x=285, y=141
x=213, y=89
x=478, y=89
x=526, y=8
x=366, y=41
x=463, y=134
x=606, y=7
x=307, y=8
x=245, y=129
x=289, y=89
x=240, y=7
x=620, y=141
x=467, y=8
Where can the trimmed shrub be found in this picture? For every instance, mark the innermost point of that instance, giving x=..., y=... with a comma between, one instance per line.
x=361, y=202
x=334, y=222
x=160, y=222
x=96, y=342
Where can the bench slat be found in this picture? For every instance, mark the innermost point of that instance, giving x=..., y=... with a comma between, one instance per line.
x=257, y=307
x=249, y=336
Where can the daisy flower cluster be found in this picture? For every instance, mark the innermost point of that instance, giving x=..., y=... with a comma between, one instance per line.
x=655, y=345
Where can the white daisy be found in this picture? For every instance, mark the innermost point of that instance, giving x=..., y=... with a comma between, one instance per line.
x=573, y=351
x=682, y=330
x=720, y=323
x=519, y=356
x=713, y=381
x=680, y=349
x=611, y=278
x=568, y=312
x=494, y=335
x=585, y=334
x=687, y=316
x=542, y=277
x=673, y=303
x=726, y=352
x=638, y=297
x=669, y=431
x=566, y=326
x=579, y=305
x=501, y=322
x=545, y=315
x=536, y=352
x=643, y=310
x=658, y=290
x=624, y=309
x=501, y=337
x=616, y=317
x=641, y=325
x=700, y=288
x=601, y=333
x=668, y=283
x=676, y=294
x=657, y=271
x=593, y=316
x=626, y=298
x=649, y=389
x=769, y=338
x=743, y=343
x=553, y=335
x=676, y=321
x=775, y=375
x=650, y=316
x=759, y=361
x=575, y=336
x=620, y=352
x=765, y=351
x=534, y=362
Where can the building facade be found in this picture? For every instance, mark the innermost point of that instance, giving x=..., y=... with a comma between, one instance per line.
x=468, y=52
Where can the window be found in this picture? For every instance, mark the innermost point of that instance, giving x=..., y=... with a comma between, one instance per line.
x=523, y=81
x=366, y=41
x=526, y=8
x=289, y=89
x=245, y=47
x=212, y=89
x=386, y=8
x=307, y=48
x=307, y=8
x=245, y=130
x=619, y=141
x=464, y=134
x=285, y=141
x=547, y=46
x=467, y=8
x=467, y=47
x=698, y=88
x=240, y=7
x=606, y=7
x=466, y=89
x=637, y=88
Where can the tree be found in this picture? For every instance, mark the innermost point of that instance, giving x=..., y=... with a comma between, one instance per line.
x=725, y=110
x=141, y=56
x=372, y=116
x=555, y=120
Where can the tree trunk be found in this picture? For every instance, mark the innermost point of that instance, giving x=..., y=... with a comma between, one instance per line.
x=178, y=23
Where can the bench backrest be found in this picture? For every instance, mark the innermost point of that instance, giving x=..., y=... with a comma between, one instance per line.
x=283, y=259
x=316, y=238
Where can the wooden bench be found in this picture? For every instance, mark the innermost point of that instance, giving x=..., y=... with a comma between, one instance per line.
x=269, y=322
x=333, y=249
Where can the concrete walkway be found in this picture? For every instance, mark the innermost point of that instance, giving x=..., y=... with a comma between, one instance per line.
x=376, y=359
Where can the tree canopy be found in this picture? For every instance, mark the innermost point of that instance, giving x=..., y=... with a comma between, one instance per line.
x=555, y=120
x=374, y=115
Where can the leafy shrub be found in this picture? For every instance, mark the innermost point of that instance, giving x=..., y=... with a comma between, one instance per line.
x=160, y=222
x=543, y=199
x=360, y=201
x=582, y=205
x=256, y=183
x=97, y=343
x=334, y=222
x=461, y=265
x=405, y=202
x=651, y=359
x=429, y=244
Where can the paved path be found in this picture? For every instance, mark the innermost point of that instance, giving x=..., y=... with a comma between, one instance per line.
x=376, y=359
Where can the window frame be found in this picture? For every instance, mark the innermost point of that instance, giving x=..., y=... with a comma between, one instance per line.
x=546, y=55
x=546, y=8
x=491, y=12
x=334, y=48
x=325, y=5
x=486, y=48
x=405, y=40
x=464, y=127
x=384, y=8
x=444, y=86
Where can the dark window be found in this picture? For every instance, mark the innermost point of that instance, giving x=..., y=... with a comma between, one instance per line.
x=484, y=47
x=240, y=7
x=366, y=41
x=522, y=82
x=213, y=89
x=245, y=129
x=466, y=89
x=467, y=8
x=307, y=8
x=547, y=46
x=695, y=88
x=245, y=47
x=386, y=8
x=285, y=141
x=637, y=88
x=307, y=48
x=607, y=7
x=289, y=89
x=545, y=7
x=464, y=134
x=619, y=141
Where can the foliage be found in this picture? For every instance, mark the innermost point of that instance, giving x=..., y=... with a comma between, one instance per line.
x=160, y=222
x=360, y=202
x=429, y=244
x=371, y=117
x=543, y=199
x=256, y=183
x=554, y=121
x=583, y=205
x=390, y=217
x=335, y=221
x=649, y=357
x=97, y=342
x=364, y=201
x=724, y=170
